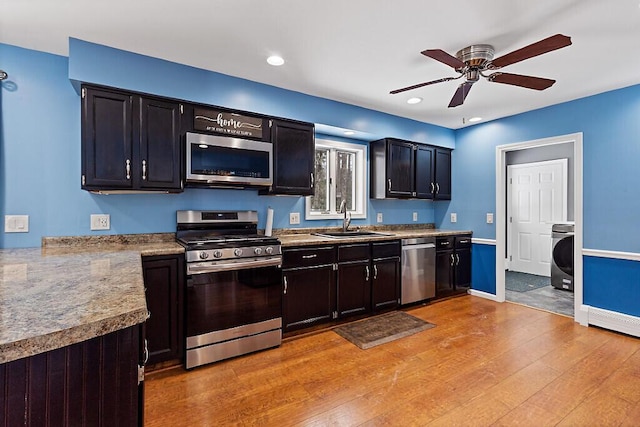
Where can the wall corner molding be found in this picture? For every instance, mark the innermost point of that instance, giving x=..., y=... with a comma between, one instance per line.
x=484, y=295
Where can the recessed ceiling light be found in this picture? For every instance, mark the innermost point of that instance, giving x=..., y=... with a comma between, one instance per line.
x=349, y=132
x=475, y=119
x=414, y=100
x=275, y=60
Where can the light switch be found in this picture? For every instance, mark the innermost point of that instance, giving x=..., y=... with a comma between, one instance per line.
x=489, y=218
x=454, y=217
x=415, y=216
x=16, y=223
x=379, y=217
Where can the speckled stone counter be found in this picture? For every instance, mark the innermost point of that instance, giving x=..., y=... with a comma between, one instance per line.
x=304, y=237
x=71, y=290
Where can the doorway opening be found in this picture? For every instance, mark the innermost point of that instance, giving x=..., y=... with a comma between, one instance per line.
x=504, y=155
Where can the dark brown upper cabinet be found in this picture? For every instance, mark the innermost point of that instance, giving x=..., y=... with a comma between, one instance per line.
x=130, y=142
x=293, y=154
x=408, y=170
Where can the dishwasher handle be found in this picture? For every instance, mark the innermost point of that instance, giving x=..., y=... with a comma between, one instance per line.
x=415, y=247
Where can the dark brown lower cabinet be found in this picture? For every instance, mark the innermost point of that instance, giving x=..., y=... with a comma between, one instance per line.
x=354, y=280
x=385, y=280
x=91, y=383
x=354, y=288
x=308, y=298
x=385, y=286
x=453, y=265
x=164, y=283
x=323, y=284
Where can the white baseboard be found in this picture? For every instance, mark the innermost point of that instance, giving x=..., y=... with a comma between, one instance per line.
x=615, y=321
x=481, y=294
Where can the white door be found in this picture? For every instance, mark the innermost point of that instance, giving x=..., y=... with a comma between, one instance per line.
x=537, y=198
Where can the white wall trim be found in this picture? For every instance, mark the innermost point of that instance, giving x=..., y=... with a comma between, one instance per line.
x=614, y=321
x=501, y=150
x=480, y=241
x=630, y=256
x=481, y=294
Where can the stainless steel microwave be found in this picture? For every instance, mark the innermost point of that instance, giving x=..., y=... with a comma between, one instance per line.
x=226, y=160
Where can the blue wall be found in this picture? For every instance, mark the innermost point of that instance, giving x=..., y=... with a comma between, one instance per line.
x=40, y=159
x=40, y=142
x=611, y=197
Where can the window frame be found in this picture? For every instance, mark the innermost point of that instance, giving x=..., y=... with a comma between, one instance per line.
x=360, y=180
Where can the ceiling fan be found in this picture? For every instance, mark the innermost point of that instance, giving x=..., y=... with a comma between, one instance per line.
x=473, y=61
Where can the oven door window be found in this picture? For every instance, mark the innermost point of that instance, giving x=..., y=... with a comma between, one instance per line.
x=223, y=300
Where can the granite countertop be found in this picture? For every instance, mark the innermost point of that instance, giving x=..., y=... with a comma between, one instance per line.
x=71, y=290
x=77, y=288
x=304, y=237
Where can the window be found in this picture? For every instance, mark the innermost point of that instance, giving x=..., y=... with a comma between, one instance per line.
x=340, y=175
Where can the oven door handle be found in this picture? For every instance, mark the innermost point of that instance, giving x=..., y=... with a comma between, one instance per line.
x=201, y=268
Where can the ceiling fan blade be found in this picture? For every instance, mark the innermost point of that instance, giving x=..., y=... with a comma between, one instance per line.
x=537, y=83
x=538, y=48
x=444, y=57
x=404, y=89
x=461, y=94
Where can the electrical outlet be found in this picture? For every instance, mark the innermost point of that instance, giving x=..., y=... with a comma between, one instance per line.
x=16, y=223
x=379, y=217
x=415, y=216
x=489, y=218
x=454, y=217
x=294, y=218
x=100, y=222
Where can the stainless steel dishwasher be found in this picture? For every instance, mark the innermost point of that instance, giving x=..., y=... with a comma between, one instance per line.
x=418, y=270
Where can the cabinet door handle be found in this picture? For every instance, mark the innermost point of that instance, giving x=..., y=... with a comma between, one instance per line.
x=366, y=269
x=437, y=188
x=312, y=180
x=453, y=261
x=286, y=285
x=457, y=259
x=144, y=170
x=146, y=352
x=375, y=272
x=309, y=256
x=128, y=168
x=389, y=184
x=433, y=187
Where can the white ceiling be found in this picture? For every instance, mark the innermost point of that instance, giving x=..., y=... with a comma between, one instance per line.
x=356, y=51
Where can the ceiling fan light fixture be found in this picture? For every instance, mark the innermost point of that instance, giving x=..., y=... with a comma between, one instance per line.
x=275, y=60
x=414, y=100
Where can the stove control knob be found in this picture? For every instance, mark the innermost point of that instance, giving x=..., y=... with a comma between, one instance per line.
x=269, y=250
x=237, y=252
x=217, y=254
x=257, y=251
x=204, y=255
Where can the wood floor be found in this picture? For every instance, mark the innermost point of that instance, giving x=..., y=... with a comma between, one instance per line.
x=484, y=364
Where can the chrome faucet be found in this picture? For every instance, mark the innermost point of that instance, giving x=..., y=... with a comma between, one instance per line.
x=345, y=221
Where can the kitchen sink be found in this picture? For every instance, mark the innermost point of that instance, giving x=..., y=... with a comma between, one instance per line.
x=350, y=233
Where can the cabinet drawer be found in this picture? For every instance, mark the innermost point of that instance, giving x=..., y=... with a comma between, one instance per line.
x=444, y=243
x=385, y=249
x=308, y=256
x=354, y=252
x=463, y=242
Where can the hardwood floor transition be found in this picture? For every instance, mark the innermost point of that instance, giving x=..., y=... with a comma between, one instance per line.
x=484, y=364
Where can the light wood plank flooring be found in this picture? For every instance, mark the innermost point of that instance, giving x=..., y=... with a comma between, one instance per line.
x=484, y=364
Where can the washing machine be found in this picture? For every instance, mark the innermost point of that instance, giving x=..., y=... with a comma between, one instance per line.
x=562, y=256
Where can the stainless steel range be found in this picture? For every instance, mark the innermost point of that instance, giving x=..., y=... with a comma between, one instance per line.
x=234, y=285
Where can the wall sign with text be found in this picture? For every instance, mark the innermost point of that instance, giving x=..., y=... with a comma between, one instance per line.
x=228, y=123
